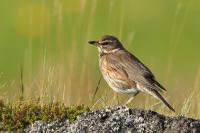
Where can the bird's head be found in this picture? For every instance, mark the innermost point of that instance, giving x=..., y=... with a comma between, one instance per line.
x=107, y=44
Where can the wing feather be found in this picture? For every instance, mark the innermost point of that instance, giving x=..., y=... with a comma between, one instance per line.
x=136, y=70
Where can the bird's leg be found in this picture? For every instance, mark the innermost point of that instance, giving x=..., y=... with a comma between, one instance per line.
x=131, y=98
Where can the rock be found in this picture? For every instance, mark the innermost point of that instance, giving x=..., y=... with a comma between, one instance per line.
x=120, y=119
x=47, y=127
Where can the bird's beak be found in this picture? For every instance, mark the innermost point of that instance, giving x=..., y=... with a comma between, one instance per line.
x=93, y=42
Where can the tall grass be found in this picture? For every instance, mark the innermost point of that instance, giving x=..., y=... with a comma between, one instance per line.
x=64, y=67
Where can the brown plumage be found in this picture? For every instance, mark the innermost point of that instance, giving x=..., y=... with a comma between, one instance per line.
x=124, y=72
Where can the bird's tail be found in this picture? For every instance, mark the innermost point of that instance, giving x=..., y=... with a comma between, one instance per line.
x=158, y=96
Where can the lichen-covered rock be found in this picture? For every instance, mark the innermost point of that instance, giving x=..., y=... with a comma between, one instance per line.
x=46, y=127
x=121, y=119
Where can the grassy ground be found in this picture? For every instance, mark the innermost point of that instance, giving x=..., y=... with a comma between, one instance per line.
x=19, y=114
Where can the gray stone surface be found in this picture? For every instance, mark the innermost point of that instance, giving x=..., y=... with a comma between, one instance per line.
x=51, y=127
x=119, y=119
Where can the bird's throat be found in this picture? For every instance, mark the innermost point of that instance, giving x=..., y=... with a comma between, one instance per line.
x=103, y=52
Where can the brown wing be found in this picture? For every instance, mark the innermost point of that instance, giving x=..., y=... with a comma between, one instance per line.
x=135, y=69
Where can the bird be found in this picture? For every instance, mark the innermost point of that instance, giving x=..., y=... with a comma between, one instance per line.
x=124, y=72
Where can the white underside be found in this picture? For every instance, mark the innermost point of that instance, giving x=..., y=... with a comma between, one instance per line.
x=131, y=90
x=126, y=91
x=120, y=90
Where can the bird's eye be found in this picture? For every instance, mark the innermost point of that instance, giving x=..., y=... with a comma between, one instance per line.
x=106, y=42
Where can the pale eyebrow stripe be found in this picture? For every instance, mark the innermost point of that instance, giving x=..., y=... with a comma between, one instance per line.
x=106, y=41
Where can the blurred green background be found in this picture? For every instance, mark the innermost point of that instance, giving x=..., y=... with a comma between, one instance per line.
x=48, y=40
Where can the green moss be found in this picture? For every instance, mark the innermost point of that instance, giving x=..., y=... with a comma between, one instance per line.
x=21, y=113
